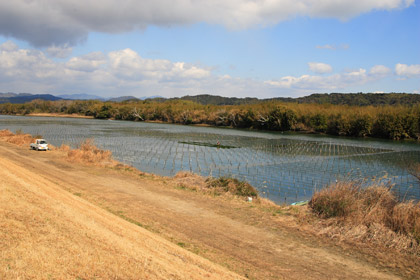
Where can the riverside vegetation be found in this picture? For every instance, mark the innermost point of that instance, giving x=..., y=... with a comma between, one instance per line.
x=382, y=121
x=343, y=210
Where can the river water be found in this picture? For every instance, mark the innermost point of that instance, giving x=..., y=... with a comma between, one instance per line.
x=285, y=167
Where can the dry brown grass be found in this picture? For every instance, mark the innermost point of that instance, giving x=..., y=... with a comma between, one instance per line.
x=372, y=214
x=88, y=153
x=190, y=181
x=49, y=233
x=215, y=186
x=231, y=185
x=405, y=218
x=19, y=138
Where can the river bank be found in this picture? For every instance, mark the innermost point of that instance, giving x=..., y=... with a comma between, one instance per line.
x=386, y=121
x=255, y=240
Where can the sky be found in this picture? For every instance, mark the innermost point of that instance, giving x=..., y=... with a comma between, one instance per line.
x=235, y=48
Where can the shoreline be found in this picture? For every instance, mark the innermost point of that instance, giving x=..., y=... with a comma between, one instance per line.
x=303, y=132
x=76, y=116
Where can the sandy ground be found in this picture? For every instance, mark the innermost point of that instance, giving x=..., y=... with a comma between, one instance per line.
x=59, y=219
x=77, y=116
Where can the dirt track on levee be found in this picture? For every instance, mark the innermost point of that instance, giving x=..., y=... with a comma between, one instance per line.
x=60, y=220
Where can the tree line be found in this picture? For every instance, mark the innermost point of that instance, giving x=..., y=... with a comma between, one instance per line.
x=391, y=122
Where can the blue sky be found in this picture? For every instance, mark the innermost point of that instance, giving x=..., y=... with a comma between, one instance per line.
x=258, y=48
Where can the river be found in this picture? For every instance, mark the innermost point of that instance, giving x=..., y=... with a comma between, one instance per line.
x=284, y=167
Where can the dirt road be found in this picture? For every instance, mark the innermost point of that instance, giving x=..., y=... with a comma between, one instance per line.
x=230, y=233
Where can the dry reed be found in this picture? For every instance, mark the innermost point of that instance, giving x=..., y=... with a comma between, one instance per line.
x=19, y=138
x=373, y=214
x=88, y=153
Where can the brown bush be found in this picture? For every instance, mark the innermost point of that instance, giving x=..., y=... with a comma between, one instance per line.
x=377, y=205
x=231, y=185
x=88, y=153
x=19, y=138
x=405, y=218
x=6, y=133
x=339, y=200
x=373, y=213
x=190, y=180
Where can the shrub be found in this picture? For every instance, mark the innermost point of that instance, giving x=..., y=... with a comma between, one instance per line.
x=90, y=154
x=405, y=219
x=361, y=126
x=375, y=205
x=318, y=122
x=19, y=138
x=232, y=185
x=337, y=200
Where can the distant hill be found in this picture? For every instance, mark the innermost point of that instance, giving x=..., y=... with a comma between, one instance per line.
x=11, y=94
x=18, y=99
x=123, y=98
x=81, y=96
x=207, y=99
x=359, y=99
x=11, y=97
x=133, y=98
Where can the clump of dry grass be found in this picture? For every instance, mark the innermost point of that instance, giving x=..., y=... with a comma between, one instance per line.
x=20, y=138
x=405, y=219
x=88, y=153
x=6, y=133
x=215, y=186
x=190, y=181
x=231, y=185
x=372, y=213
x=337, y=201
x=63, y=148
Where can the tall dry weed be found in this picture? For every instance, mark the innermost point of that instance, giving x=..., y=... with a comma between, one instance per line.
x=231, y=185
x=339, y=200
x=20, y=138
x=405, y=218
x=378, y=203
x=190, y=180
x=88, y=153
x=372, y=214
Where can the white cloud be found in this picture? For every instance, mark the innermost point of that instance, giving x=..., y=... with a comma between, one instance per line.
x=331, y=82
x=86, y=63
x=8, y=46
x=320, y=68
x=125, y=72
x=333, y=47
x=408, y=71
x=59, y=51
x=380, y=70
x=57, y=22
x=117, y=72
x=328, y=47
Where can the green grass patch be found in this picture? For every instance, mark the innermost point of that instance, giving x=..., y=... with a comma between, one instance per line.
x=128, y=219
x=181, y=244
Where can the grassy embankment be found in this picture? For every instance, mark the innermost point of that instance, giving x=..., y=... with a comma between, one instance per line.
x=47, y=232
x=344, y=211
